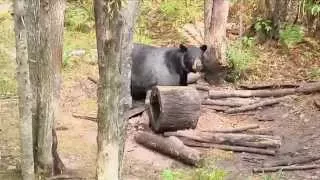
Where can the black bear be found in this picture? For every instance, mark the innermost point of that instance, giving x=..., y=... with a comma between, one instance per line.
x=162, y=66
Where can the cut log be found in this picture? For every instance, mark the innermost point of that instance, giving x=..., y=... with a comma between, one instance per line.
x=174, y=108
x=292, y=161
x=306, y=88
x=234, y=130
x=254, y=106
x=171, y=146
x=232, y=102
x=269, y=86
x=248, y=140
x=286, y=168
x=192, y=143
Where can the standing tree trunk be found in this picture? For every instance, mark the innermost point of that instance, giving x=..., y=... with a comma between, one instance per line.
x=44, y=22
x=129, y=13
x=24, y=91
x=215, y=15
x=57, y=8
x=108, y=32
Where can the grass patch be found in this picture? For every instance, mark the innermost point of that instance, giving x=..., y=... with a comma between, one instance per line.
x=314, y=74
x=196, y=174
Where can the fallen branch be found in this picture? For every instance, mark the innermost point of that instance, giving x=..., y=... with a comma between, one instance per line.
x=94, y=119
x=192, y=143
x=234, y=130
x=291, y=161
x=305, y=88
x=268, y=86
x=232, y=102
x=8, y=97
x=249, y=140
x=171, y=146
x=254, y=106
x=92, y=80
x=285, y=168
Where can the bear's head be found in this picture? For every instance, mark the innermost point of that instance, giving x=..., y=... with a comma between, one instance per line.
x=192, y=59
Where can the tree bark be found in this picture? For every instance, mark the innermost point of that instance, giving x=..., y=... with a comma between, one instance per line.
x=56, y=14
x=24, y=91
x=171, y=146
x=215, y=15
x=40, y=15
x=129, y=13
x=108, y=32
x=173, y=108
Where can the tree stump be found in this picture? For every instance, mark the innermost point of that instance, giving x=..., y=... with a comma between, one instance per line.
x=174, y=108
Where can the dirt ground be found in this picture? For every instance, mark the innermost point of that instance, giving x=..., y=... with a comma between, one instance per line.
x=296, y=120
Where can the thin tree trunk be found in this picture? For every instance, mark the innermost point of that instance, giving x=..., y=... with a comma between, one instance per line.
x=45, y=52
x=108, y=33
x=24, y=91
x=129, y=13
x=56, y=40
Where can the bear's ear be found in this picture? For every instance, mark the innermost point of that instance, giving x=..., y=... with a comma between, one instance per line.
x=183, y=48
x=203, y=47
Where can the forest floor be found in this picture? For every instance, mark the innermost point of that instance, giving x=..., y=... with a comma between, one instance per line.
x=296, y=120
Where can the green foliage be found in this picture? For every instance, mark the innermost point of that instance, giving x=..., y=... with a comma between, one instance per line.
x=197, y=174
x=312, y=7
x=263, y=26
x=241, y=55
x=291, y=35
x=314, y=73
x=80, y=16
x=8, y=85
x=159, y=21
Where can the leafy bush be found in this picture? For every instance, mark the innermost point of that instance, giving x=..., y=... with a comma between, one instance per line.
x=240, y=55
x=263, y=27
x=291, y=35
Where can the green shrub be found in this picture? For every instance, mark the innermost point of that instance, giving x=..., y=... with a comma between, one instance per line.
x=291, y=35
x=240, y=55
x=263, y=28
